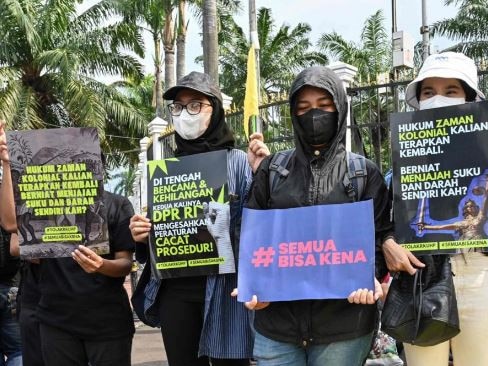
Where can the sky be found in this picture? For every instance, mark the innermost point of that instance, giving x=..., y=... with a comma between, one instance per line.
x=346, y=17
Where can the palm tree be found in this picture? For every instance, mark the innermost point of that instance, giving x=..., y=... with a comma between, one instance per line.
x=469, y=27
x=181, y=40
x=126, y=179
x=210, y=40
x=51, y=58
x=151, y=16
x=140, y=93
x=169, y=43
x=283, y=53
x=371, y=56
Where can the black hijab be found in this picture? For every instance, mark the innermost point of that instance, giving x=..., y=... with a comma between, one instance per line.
x=218, y=135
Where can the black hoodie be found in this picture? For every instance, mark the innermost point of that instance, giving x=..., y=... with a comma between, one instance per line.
x=319, y=180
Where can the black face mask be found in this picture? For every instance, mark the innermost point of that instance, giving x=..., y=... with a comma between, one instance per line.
x=319, y=127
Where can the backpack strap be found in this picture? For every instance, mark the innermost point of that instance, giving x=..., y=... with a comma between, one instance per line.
x=355, y=179
x=277, y=167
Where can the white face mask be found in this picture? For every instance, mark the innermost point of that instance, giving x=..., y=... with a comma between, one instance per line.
x=190, y=126
x=438, y=101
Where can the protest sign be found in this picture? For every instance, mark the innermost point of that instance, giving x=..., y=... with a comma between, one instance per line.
x=313, y=252
x=440, y=170
x=57, y=178
x=187, y=204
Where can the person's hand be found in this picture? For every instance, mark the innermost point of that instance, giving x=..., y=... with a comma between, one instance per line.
x=90, y=261
x=140, y=226
x=3, y=143
x=400, y=259
x=256, y=151
x=365, y=296
x=254, y=304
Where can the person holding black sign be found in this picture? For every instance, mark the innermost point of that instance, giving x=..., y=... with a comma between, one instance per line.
x=198, y=317
x=448, y=79
x=335, y=332
x=84, y=311
x=10, y=339
x=28, y=294
x=7, y=208
x=75, y=311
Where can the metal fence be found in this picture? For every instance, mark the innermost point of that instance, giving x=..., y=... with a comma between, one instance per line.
x=370, y=110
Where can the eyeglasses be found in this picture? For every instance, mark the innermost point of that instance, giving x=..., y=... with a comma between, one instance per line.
x=192, y=108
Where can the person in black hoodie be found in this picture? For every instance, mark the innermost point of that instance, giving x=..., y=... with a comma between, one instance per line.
x=318, y=332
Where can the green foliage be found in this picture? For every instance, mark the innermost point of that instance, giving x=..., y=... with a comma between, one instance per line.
x=50, y=61
x=469, y=27
x=371, y=56
x=283, y=53
x=125, y=181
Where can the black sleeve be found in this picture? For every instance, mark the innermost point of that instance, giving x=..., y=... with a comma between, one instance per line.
x=142, y=252
x=377, y=190
x=119, y=214
x=259, y=192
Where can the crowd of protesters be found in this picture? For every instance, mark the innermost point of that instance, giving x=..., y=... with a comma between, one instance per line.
x=75, y=311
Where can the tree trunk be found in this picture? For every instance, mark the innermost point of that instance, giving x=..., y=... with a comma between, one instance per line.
x=169, y=50
x=210, y=40
x=181, y=40
x=158, y=80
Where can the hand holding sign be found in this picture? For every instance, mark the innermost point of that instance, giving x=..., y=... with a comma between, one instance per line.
x=256, y=151
x=90, y=261
x=140, y=226
x=3, y=143
x=365, y=296
x=254, y=304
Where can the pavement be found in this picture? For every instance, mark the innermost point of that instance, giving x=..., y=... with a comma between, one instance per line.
x=147, y=347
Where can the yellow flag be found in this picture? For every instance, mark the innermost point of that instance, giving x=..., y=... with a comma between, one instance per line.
x=251, y=111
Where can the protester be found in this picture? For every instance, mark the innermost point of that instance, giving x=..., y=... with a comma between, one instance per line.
x=197, y=316
x=27, y=299
x=10, y=340
x=84, y=312
x=75, y=311
x=318, y=332
x=450, y=79
x=7, y=207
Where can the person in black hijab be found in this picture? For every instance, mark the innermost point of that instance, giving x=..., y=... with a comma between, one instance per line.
x=198, y=317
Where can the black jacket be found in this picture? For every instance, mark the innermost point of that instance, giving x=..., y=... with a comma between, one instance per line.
x=319, y=180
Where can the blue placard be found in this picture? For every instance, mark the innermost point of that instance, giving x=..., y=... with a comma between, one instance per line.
x=314, y=252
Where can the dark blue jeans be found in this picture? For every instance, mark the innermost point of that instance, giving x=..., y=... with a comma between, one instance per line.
x=352, y=352
x=10, y=344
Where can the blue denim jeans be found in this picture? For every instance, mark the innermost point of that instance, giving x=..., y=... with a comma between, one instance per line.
x=352, y=352
x=10, y=344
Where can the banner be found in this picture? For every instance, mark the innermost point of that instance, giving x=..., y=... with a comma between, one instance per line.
x=313, y=252
x=57, y=178
x=189, y=210
x=440, y=170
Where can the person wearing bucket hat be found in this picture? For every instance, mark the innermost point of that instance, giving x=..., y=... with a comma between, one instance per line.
x=448, y=79
x=198, y=317
x=445, y=79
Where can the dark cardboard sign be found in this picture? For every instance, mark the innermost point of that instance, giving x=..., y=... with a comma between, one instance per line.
x=440, y=170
